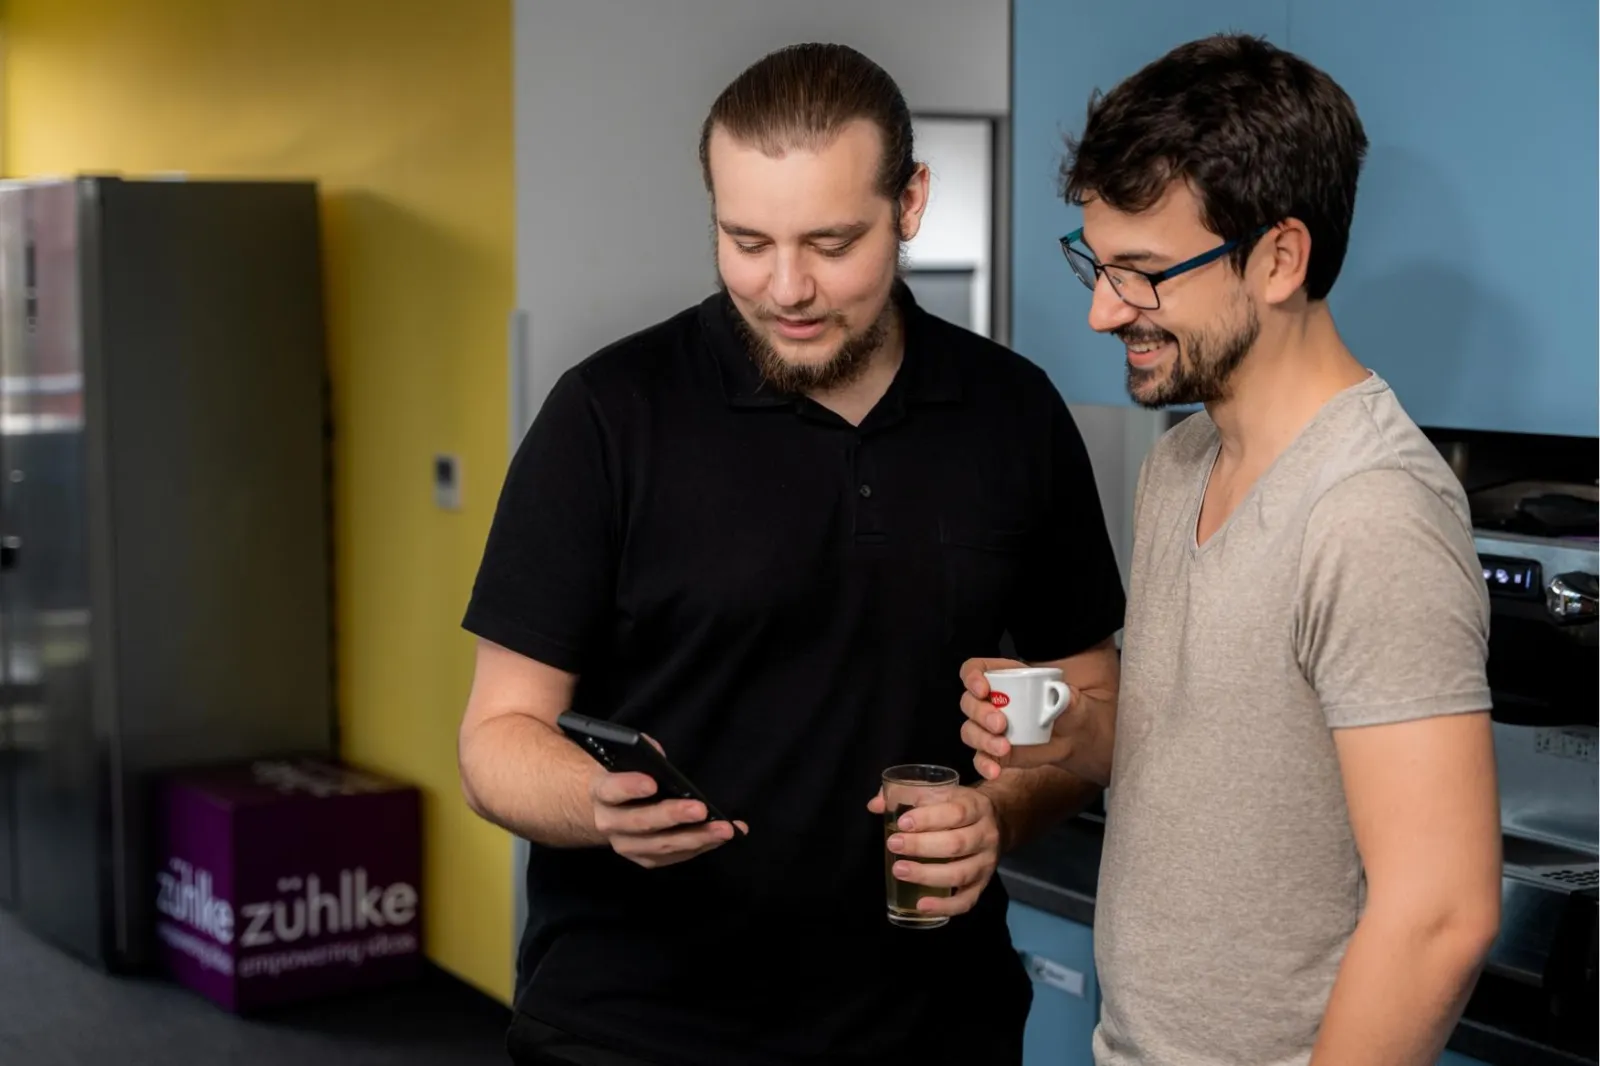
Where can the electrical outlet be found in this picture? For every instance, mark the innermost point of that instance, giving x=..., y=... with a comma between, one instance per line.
x=447, y=482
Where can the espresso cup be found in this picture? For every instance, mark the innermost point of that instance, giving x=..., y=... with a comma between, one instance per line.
x=1031, y=698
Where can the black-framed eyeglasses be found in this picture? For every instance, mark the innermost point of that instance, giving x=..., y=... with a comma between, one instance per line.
x=1137, y=288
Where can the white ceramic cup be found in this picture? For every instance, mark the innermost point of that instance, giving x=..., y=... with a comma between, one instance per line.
x=1031, y=698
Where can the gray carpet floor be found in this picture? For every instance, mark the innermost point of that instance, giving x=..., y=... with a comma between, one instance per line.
x=56, y=1011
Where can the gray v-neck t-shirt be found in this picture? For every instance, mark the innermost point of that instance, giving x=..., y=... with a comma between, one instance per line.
x=1343, y=591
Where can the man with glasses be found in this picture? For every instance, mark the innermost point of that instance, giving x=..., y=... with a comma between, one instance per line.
x=1301, y=859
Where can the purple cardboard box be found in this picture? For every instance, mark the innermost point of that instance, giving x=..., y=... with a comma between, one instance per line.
x=289, y=879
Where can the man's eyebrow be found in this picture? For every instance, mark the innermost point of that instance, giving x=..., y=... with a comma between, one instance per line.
x=1124, y=258
x=847, y=231
x=1137, y=255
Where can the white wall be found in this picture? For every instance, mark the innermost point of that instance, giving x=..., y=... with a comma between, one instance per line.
x=1118, y=439
x=957, y=229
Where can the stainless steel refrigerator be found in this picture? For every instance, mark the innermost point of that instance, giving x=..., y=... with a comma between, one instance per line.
x=165, y=575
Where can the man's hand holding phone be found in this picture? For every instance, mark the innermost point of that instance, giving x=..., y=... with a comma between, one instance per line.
x=653, y=834
x=648, y=833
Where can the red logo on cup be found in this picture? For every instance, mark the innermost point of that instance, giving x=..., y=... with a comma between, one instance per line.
x=999, y=699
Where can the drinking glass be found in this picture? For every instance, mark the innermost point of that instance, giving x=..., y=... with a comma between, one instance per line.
x=905, y=787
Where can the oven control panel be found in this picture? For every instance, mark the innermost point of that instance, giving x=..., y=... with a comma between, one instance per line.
x=1507, y=576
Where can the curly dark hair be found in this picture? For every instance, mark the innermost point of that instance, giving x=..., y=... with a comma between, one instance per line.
x=1259, y=134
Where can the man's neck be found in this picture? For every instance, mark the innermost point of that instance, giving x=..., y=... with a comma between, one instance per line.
x=1281, y=386
x=855, y=400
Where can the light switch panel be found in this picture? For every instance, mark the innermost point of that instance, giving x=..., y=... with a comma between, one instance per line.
x=447, y=482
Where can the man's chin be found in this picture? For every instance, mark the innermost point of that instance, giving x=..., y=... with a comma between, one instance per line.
x=1147, y=388
x=806, y=359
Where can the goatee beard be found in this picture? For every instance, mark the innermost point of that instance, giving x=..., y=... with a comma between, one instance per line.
x=1197, y=376
x=844, y=368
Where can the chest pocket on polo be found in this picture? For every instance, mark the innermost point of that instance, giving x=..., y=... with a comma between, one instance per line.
x=981, y=564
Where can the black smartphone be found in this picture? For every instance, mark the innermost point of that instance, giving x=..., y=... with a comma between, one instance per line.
x=624, y=750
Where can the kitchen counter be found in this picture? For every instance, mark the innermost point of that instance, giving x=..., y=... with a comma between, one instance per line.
x=1059, y=874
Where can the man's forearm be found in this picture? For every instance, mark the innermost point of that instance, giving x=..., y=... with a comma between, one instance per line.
x=526, y=777
x=1092, y=754
x=1028, y=802
x=1088, y=728
x=1400, y=990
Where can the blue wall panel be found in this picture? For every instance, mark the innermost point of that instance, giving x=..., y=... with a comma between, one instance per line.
x=1471, y=281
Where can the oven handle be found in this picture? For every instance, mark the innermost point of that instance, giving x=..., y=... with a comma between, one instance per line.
x=1572, y=597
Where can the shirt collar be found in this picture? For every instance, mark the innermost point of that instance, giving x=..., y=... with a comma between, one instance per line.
x=927, y=374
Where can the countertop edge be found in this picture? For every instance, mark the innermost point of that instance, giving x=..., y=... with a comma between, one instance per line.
x=1053, y=899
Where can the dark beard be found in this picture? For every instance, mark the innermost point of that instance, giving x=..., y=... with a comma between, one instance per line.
x=1197, y=375
x=847, y=364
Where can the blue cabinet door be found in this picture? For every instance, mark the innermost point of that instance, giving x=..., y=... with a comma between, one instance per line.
x=1471, y=277
x=1063, y=50
x=1059, y=955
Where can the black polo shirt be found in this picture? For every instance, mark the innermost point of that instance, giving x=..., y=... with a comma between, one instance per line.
x=784, y=600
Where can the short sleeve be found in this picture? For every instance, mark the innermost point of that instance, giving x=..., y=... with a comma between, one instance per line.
x=545, y=585
x=1392, y=615
x=1072, y=598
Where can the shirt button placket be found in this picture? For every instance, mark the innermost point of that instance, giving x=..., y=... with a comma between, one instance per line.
x=867, y=492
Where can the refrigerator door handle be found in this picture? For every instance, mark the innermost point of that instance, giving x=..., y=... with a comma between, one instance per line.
x=10, y=547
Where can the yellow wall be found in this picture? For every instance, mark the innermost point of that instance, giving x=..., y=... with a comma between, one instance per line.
x=402, y=110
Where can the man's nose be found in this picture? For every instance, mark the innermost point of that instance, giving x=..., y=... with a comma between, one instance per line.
x=791, y=283
x=1108, y=311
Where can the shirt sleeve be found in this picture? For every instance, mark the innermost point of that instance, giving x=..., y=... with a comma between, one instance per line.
x=1072, y=597
x=1392, y=617
x=545, y=585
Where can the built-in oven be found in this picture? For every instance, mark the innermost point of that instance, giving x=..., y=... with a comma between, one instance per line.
x=1538, y=548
